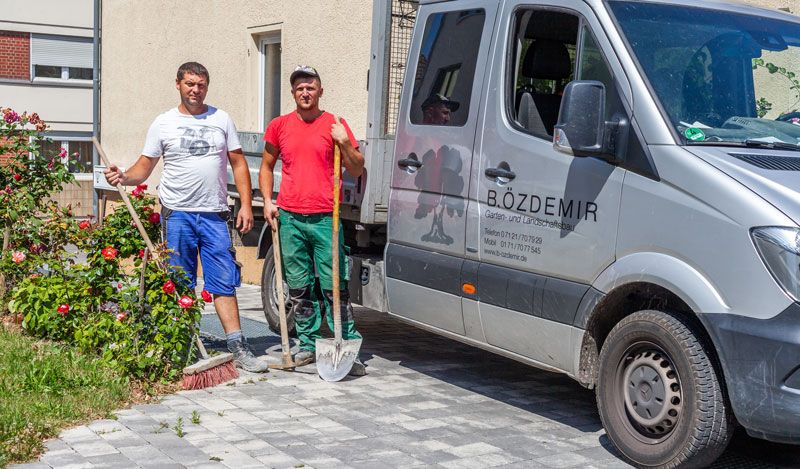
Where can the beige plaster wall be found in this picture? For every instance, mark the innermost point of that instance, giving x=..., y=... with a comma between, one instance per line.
x=63, y=108
x=144, y=42
x=68, y=17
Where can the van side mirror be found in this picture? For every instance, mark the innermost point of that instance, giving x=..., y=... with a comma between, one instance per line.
x=582, y=129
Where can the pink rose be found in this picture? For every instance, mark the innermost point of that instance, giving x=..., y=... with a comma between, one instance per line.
x=18, y=256
x=63, y=153
x=121, y=316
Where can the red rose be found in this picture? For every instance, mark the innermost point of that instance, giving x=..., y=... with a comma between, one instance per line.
x=17, y=177
x=84, y=224
x=141, y=253
x=137, y=193
x=142, y=187
x=109, y=253
x=63, y=309
x=168, y=287
x=207, y=296
x=147, y=209
x=154, y=218
x=186, y=302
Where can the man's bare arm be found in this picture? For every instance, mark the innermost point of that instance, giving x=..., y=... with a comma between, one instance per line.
x=241, y=177
x=266, y=180
x=136, y=174
x=352, y=159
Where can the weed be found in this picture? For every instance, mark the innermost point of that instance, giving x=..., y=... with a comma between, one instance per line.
x=179, y=427
x=195, y=417
x=221, y=413
x=215, y=458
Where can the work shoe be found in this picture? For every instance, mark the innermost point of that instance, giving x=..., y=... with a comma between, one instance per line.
x=304, y=357
x=358, y=369
x=243, y=358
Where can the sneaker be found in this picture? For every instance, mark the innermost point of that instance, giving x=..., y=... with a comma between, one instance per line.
x=304, y=357
x=358, y=369
x=243, y=358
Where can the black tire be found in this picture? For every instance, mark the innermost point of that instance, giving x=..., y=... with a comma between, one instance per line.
x=659, y=395
x=269, y=297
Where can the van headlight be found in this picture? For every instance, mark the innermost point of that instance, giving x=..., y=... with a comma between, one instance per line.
x=779, y=248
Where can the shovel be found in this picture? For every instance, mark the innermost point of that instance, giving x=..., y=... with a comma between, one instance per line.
x=286, y=356
x=335, y=357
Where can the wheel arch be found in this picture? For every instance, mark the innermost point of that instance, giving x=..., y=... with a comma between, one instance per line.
x=644, y=281
x=264, y=242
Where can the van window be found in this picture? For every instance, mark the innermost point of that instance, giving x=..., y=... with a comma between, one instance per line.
x=544, y=51
x=593, y=66
x=446, y=68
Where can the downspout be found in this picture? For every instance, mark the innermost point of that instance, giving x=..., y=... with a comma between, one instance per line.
x=96, y=96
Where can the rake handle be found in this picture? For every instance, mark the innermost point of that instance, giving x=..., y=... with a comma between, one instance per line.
x=124, y=196
x=337, y=314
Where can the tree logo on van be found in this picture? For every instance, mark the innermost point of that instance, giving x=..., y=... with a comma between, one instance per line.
x=439, y=176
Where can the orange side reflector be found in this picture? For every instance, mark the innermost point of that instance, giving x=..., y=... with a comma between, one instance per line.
x=468, y=288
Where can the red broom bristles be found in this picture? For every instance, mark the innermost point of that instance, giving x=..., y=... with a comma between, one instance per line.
x=211, y=377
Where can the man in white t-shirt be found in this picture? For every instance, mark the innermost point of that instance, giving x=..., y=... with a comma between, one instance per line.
x=196, y=142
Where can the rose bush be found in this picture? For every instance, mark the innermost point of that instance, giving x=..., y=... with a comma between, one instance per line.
x=97, y=304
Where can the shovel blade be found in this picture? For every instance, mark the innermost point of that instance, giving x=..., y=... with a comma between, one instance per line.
x=334, y=360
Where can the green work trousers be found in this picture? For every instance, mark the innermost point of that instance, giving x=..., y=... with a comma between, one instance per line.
x=306, y=245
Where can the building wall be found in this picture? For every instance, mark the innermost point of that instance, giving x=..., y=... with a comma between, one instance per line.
x=65, y=105
x=142, y=51
x=15, y=48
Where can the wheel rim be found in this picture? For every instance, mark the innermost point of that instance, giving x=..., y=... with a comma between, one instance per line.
x=651, y=391
x=273, y=297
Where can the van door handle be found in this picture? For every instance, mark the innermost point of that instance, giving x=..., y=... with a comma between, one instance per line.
x=500, y=173
x=406, y=162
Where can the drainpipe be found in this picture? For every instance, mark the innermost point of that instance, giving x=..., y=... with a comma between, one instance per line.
x=96, y=96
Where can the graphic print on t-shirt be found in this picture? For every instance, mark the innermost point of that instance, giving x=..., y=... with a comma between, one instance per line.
x=195, y=139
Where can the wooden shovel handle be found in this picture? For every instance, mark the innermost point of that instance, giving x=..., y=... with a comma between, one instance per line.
x=336, y=306
x=276, y=249
x=124, y=196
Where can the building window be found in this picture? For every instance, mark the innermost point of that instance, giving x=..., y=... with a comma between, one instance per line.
x=61, y=58
x=79, y=151
x=270, y=47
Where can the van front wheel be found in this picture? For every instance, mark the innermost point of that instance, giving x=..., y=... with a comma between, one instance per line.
x=659, y=395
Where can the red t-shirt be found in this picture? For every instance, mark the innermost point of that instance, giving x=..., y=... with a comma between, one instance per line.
x=306, y=150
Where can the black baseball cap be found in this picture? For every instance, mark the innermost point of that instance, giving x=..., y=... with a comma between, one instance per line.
x=438, y=98
x=303, y=71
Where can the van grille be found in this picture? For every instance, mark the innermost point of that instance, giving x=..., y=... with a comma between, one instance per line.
x=776, y=163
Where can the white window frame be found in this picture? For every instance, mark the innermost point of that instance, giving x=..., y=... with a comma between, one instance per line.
x=64, y=141
x=273, y=38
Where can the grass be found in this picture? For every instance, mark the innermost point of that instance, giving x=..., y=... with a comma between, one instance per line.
x=45, y=387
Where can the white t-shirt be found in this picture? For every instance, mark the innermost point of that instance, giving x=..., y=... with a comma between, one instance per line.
x=195, y=151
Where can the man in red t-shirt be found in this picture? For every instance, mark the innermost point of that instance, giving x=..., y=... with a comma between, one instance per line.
x=303, y=140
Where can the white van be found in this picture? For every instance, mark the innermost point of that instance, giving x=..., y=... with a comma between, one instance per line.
x=611, y=189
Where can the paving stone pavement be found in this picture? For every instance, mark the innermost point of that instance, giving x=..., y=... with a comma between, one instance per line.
x=427, y=401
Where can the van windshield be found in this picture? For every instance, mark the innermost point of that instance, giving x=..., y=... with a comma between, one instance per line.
x=720, y=76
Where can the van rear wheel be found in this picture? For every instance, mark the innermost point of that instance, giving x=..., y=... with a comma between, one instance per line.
x=269, y=297
x=659, y=395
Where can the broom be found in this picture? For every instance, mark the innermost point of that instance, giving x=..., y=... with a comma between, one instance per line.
x=208, y=371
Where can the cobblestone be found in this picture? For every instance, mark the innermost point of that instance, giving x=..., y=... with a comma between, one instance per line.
x=427, y=401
